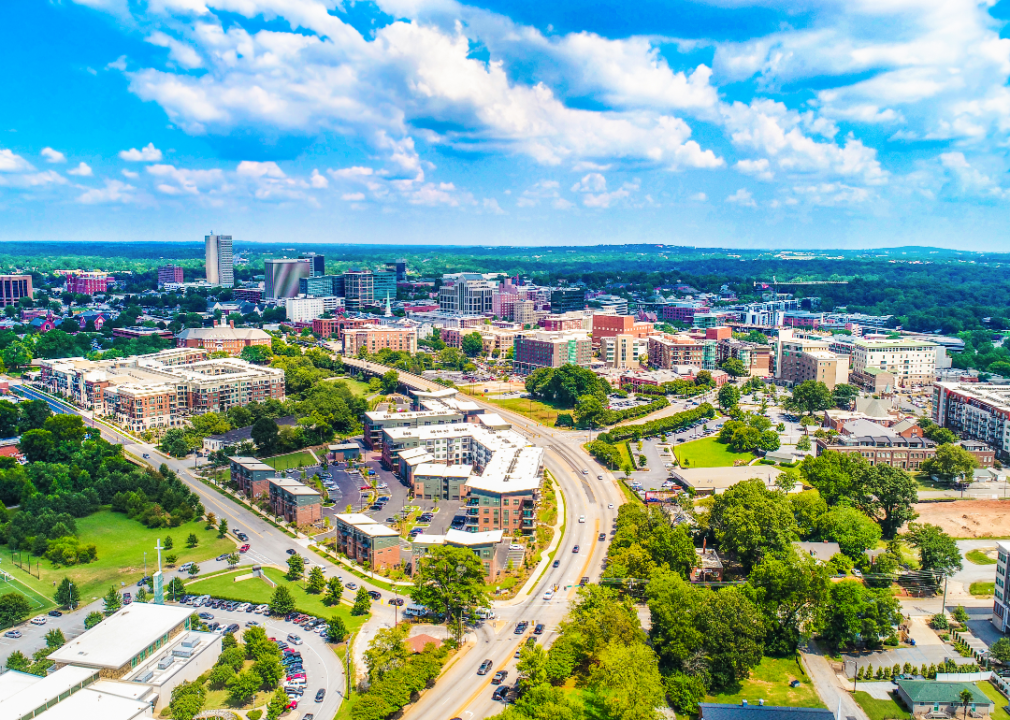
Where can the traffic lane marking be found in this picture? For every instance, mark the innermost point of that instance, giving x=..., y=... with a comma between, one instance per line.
x=488, y=678
x=589, y=560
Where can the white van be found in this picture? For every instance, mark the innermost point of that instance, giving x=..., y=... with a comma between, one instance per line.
x=485, y=613
x=415, y=611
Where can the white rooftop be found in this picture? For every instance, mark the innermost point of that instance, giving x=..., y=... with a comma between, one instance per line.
x=117, y=639
x=493, y=420
x=423, y=539
x=442, y=470
x=461, y=537
x=22, y=693
x=356, y=519
x=89, y=704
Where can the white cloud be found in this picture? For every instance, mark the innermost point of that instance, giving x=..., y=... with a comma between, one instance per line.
x=183, y=55
x=699, y=197
x=113, y=192
x=594, y=191
x=117, y=64
x=130, y=174
x=148, y=153
x=353, y=197
x=757, y=168
x=176, y=180
x=970, y=180
x=250, y=168
x=82, y=170
x=742, y=197
x=491, y=205
x=11, y=163
x=544, y=190
x=53, y=156
x=831, y=194
x=318, y=180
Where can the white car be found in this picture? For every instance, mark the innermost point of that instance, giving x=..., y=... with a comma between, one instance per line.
x=582, y=518
x=549, y=595
x=516, y=546
x=40, y=620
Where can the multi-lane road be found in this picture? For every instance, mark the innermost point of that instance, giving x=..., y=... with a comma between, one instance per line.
x=460, y=692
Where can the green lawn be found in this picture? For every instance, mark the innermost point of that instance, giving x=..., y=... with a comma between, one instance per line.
x=978, y=557
x=355, y=386
x=121, y=544
x=626, y=457
x=707, y=452
x=881, y=709
x=257, y=591
x=982, y=589
x=769, y=681
x=290, y=461
x=997, y=697
x=540, y=412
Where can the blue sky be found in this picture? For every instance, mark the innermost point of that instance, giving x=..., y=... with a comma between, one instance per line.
x=727, y=123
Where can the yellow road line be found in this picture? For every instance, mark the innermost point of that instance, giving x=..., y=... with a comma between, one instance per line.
x=589, y=560
x=487, y=681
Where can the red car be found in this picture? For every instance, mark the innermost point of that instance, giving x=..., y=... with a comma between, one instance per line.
x=244, y=548
x=365, y=487
x=293, y=705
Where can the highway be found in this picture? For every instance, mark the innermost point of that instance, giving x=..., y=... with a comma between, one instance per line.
x=460, y=692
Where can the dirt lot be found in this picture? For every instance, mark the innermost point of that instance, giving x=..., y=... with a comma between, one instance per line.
x=968, y=518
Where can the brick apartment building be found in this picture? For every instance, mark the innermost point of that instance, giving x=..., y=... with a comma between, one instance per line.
x=376, y=337
x=542, y=349
x=295, y=501
x=222, y=338
x=251, y=475
x=614, y=325
x=667, y=351
x=800, y=359
x=372, y=544
x=976, y=411
x=170, y=274
x=895, y=450
x=489, y=547
x=325, y=327
x=89, y=283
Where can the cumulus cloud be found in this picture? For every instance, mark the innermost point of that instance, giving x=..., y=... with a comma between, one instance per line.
x=115, y=191
x=594, y=191
x=53, y=156
x=148, y=153
x=12, y=163
x=970, y=180
x=82, y=170
x=742, y=197
x=699, y=197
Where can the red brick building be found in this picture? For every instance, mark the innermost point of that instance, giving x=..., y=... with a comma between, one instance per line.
x=325, y=327
x=294, y=501
x=614, y=325
x=373, y=545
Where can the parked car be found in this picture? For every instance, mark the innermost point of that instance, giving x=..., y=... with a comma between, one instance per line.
x=15, y=634
x=40, y=620
x=55, y=613
x=374, y=595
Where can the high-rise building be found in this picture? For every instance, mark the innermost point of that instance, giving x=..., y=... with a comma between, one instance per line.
x=466, y=294
x=399, y=267
x=305, y=309
x=359, y=288
x=220, y=270
x=383, y=285
x=89, y=283
x=283, y=277
x=169, y=274
x=524, y=312
x=317, y=263
x=321, y=285
x=551, y=349
x=14, y=287
x=564, y=299
x=911, y=362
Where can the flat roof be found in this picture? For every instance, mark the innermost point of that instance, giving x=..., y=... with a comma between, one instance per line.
x=117, y=639
x=292, y=486
x=721, y=479
x=250, y=463
x=493, y=420
x=88, y=704
x=904, y=342
x=423, y=539
x=13, y=682
x=367, y=525
x=442, y=470
x=461, y=537
x=30, y=694
x=355, y=519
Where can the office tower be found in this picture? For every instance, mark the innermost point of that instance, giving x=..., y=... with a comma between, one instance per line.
x=169, y=274
x=399, y=267
x=317, y=263
x=14, y=287
x=359, y=288
x=283, y=276
x=219, y=260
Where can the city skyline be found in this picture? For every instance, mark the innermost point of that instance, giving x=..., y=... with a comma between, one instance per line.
x=705, y=124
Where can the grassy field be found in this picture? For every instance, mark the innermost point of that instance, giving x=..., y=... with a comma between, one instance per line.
x=121, y=544
x=291, y=460
x=982, y=589
x=997, y=697
x=257, y=591
x=355, y=386
x=540, y=412
x=769, y=681
x=881, y=709
x=978, y=557
x=707, y=452
x=626, y=458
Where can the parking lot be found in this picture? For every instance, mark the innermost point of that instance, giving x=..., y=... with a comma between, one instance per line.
x=321, y=666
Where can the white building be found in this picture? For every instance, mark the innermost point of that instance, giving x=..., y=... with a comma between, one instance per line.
x=1001, y=607
x=911, y=362
x=624, y=351
x=219, y=266
x=304, y=309
x=979, y=411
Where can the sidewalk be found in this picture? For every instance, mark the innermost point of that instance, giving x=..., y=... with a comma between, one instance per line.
x=827, y=683
x=545, y=556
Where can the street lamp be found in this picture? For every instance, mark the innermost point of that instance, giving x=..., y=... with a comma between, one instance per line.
x=855, y=669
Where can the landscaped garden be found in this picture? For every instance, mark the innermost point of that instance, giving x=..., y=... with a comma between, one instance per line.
x=300, y=459
x=709, y=452
x=769, y=681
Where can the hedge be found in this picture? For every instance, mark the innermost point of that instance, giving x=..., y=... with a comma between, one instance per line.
x=656, y=427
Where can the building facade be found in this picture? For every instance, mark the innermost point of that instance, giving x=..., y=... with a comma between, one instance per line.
x=911, y=362
x=222, y=338
x=614, y=325
x=89, y=283
x=303, y=309
x=294, y=501
x=466, y=294
x=373, y=545
x=1001, y=605
x=220, y=268
x=15, y=287
x=565, y=299
x=170, y=274
x=376, y=337
x=252, y=476
x=542, y=349
x=283, y=275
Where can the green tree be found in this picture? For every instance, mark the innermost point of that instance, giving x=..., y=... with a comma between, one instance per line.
x=789, y=590
x=387, y=652
x=265, y=433
x=242, y=688
x=803, y=443
x=844, y=396
x=362, y=603
x=67, y=593
x=852, y=530
x=270, y=669
x=834, y=474
x=174, y=443
x=194, y=569
x=1000, y=650
x=112, y=602
x=233, y=559
x=55, y=639
x=729, y=396
x=17, y=660
x=334, y=591
x=17, y=354
x=590, y=412
x=175, y=588
x=449, y=581
x=853, y=611
x=684, y=692
x=809, y=397
x=316, y=582
x=258, y=354
x=628, y=681
x=169, y=544
x=336, y=631
x=734, y=366
x=37, y=445
x=887, y=494
x=94, y=617
x=220, y=675
x=187, y=700
x=937, y=550
x=532, y=666
x=281, y=602
x=222, y=528
x=192, y=541
x=472, y=344
x=278, y=704
x=296, y=567
x=390, y=381
x=949, y=462
x=808, y=506
x=750, y=520
x=967, y=699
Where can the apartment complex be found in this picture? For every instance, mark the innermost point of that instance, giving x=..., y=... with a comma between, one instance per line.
x=667, y=351
x=251, y=475
x=170, y=274
x=1001, y=605
x=372, y=544
x=466, y=294
x=756, y=357
x=614, y=325
x=884, y=449
x=911, y=362
x=303, y=309
x=978, y=411
x=543, y=349
x=487, y=546
x=623, y=351
x=89, y=283
x=15, y=287
x=162, y=389
x=222, y=338
x=800, y=359
x=294, y=501
x=377, y=337
x=219, y=268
